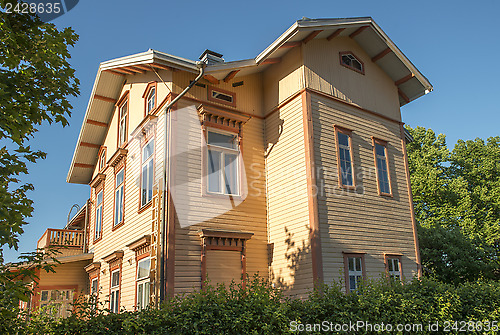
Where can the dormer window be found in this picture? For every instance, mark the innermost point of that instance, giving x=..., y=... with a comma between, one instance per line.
x=149, y=98
x=352, y=62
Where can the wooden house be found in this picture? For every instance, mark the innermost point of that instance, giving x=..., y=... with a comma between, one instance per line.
x=290, y=165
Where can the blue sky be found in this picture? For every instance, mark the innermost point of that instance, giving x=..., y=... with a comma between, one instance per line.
x=455, y=44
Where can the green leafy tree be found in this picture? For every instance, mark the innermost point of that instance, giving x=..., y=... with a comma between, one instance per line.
x=455, y=205
x=36, y=80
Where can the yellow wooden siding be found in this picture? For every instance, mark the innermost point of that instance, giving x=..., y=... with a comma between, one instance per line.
x=323, y=72
x=361, y=220
x=196, y=211
x=136, y=224
x=287, y=205
x=67, y=274
x=223, y=267
x=281, y=80
x=248, y=96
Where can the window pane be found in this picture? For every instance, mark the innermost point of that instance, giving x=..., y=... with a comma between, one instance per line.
x=139, y=295
x=343, y=139
x=45, y=296
x=222, y=140
x=214, y=174
x=119, y=177
x=150, y=181
x=380, y=150
x=358, y=263
x=396, y=264
x=148, y=150
x=115, y=279
x=352, y=283
x=231, y=173
x=143, y=268
x=351, y=264
x=144, y=183
x=99, y=198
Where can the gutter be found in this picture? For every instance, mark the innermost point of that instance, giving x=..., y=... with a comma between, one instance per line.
x=166, y=177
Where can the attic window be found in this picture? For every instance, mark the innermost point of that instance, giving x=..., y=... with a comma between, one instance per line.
x=350, y=61
x=222, y=96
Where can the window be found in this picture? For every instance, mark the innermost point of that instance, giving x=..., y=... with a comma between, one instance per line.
x=354, y=269
x=151, y=100
x=350, y=61
x=222, y=160
x=98, y=216
x=147, y=172
x=143, y=283
x=60, y=301
x=114, y=292
x=393, y=267
x=119, y=181
x=221, y=96
x=345, y=165
x=122, y=126
x=102, y=159
x=94, y=286
x=382, y=166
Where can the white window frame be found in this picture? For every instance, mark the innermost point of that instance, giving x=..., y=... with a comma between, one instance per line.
x=96, y=290
x=354, y=272
x=382, y=168
x=119, y=199
x=347, y=153
x=114, y=293
x=222, y=171
x=151, y=99
x=392, y=264
x=148, y=188
x=98, y=215
x=102, y=160
x=143, y=295
x=122, y=123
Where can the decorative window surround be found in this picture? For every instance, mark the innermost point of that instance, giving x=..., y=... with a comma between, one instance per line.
x=224, y=120
x=382, y=171
x=395, y=269
x=146, y=96
x=223, y=240
x=355, y=272
x=97, y=182
x=340, y=130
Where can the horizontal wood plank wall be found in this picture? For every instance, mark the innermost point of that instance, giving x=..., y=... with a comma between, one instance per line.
x=248, y=95
x=360, y=220
x=287, y=201
x=281, y=80
x=374, y=90
x=67, y=274
x=136, y=223
x=196, y=211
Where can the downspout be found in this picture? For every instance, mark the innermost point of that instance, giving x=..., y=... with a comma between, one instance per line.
x=87, y=208
x=166, y=173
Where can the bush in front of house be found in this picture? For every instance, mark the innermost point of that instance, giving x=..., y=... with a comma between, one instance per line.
x=260, y=309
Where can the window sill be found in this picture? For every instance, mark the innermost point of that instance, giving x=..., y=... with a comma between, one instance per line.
x=388, y=195
x=98, y=239
x=118, y=226
x=348, y=187
x=146, y=206
x=222, y=196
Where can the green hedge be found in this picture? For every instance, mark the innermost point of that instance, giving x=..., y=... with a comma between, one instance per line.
x=259, y=309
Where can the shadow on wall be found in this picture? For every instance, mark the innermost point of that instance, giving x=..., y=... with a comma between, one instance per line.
x=296, y=255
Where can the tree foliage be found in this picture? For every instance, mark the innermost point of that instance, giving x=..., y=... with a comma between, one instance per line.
x=36, y=80
x=457, y=205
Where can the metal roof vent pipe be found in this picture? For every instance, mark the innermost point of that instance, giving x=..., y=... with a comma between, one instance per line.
x=211, y=57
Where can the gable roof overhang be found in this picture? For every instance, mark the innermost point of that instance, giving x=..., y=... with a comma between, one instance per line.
x=111, y=76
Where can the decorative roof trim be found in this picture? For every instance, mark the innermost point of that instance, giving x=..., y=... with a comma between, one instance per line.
x=100, y=177
x=115, y=255
x=140, y=242
x=225, y=234
x=119, y=154
x=93, y=267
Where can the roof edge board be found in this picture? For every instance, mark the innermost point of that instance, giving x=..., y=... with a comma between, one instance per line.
x=289, y=33
x=231, y=66
x=402, y=57
x=82, y=129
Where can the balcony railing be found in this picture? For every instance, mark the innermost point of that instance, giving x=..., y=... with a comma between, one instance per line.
x=73, y=239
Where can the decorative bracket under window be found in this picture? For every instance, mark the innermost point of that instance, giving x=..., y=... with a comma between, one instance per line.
x=118, y=158
x=146, y=128
x=97, y=181
x=141, y=246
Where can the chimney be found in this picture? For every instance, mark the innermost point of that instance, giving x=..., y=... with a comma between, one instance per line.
x=211, y=57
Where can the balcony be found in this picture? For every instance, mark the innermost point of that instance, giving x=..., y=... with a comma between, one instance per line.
x=67, y=242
